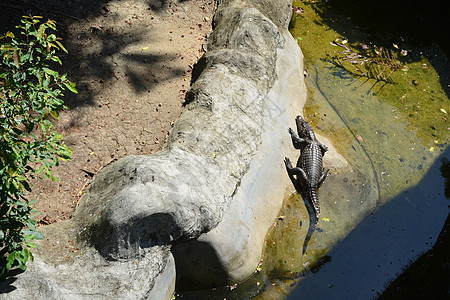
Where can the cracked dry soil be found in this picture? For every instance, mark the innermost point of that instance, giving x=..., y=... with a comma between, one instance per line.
x=132, y=63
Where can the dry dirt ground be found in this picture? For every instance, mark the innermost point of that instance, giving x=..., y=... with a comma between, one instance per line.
x=132, y=63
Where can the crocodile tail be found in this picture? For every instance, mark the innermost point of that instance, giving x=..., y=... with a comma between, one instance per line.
x=313, y=200
x=315, y=203
x=311, y=229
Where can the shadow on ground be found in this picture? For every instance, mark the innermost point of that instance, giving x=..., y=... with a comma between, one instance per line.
x=131, y=61
x=94, y=50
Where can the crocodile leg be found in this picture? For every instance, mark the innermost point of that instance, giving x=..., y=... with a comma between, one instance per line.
x=288, y=164
x=301, y=174
x=323, y=148
x=322, y=178
x=296, y=141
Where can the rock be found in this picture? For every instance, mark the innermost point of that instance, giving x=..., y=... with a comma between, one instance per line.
x=184, y=190
x=61, y=273
x=231, y=252
x=211, y=194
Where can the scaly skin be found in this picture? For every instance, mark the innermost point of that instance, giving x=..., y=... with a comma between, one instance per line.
x=309, y=172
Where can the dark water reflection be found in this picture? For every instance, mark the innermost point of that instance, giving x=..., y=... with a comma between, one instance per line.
x=383, y=243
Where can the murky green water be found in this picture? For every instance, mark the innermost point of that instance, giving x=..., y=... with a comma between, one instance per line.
x=388, y=206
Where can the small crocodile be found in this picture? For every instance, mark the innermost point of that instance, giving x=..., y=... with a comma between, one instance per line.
x=309, y=173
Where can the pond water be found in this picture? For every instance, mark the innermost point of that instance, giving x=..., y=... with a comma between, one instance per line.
x=388, y=206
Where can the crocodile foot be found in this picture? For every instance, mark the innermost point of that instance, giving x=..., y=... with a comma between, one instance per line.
x=290, y=130
x=288, y=163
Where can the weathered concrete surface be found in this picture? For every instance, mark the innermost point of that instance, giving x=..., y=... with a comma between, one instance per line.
x=231, y=251
x=184, y=190
x=235, y=245
x=221, y=173
x=65, y=272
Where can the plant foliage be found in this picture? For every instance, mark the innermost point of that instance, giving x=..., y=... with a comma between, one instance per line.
x=378, y=64
x=30, y=94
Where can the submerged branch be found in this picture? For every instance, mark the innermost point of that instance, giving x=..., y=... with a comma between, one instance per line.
x=380, y=58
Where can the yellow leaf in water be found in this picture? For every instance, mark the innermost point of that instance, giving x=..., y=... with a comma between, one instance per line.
x=444, y=111
x=326, y=219
x=436, y=141
x=92, y=153
x=431, y=149
x=144, y=48
x=395, y=46
x=214, y=155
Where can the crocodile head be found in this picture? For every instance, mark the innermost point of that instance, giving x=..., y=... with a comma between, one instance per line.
x=304, y=129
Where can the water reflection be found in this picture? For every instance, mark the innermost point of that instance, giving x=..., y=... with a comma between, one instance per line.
x=383, y=243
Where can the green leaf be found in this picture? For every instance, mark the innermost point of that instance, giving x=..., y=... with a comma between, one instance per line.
x=41, y=31
x=46, y=81
x=50, y=72
x=71, y=87
x=7, y=47
x=24, y=258
x=11, y=259
x=54, y=115
x=37, y=235
x=51, y=24
x=61, y=46
x=56, y=58
x=51, y=37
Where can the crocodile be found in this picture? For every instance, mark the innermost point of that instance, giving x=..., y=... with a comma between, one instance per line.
x=309, y=173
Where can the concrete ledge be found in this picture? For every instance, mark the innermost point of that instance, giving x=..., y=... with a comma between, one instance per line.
x=231, y=251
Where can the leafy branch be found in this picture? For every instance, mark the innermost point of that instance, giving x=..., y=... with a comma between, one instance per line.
x=30, y=95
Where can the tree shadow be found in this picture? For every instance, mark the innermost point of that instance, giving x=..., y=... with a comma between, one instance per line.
x=94, y=50
x=7, y=284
